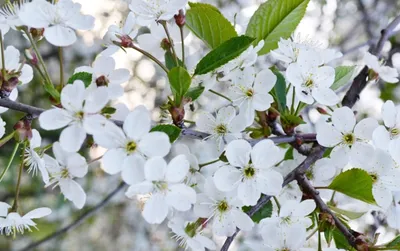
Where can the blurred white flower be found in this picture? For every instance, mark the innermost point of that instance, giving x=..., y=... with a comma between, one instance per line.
x=9, y=15
x=12, y=223
x=386, y=73
x=2, y=127
x=63, y=169
x=33, y=159
x=59, y=19
x=148, y=11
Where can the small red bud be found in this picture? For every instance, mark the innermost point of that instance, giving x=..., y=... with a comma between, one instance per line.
x=180, y=18
x=322, y=111
x=102, y=81
x=126, y=41
x=32, y=57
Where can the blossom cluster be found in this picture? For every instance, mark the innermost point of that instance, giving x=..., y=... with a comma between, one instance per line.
x=199, y=196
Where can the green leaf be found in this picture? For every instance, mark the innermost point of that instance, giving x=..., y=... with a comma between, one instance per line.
x=290, y=119
x=49, y=88
x=275, y=19
x=280, y=91
x=223, y=54
x=349, y=214
x=85, y=77
x=340, y=240
x=208, y=24
x=289, y=154
x=172, y=131
x=179, y=80
x=195, y=92
x=170, y=61
x=264, y=212
x=342, y=76
x=394, y=243
x=108, y=111
x=355, y=183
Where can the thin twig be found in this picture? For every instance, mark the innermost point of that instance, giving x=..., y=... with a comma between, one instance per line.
x=78, y=221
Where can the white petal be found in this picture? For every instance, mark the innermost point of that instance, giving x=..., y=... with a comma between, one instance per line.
x=305, y=208
x=270, y=182
x=365, y=128
x=224, y=225
x=206, y=123
x=103, y=66
x=113, y=160
x=262, y=102
x=361, y=154
x=144, y=187
x=119, y=76
x=72, y=96
x=133, y=169
x=137, y=123
x=155, y=169
x=265, y=81
x=324, y=77
x=149, y=141
x=96, y=100
x=225, y=115
x=226, y=178
x=265, y=154
x=238, y=153
x=327, y=135
x=155, y=210
x=242, y=220
x=177, y=169
x=343, y=119
x=382, y=196
x=111, y=137
x=54, y=119
x=72, y=137
x=26, y=74
x=248, y=192
x=59, y=35
x=181, y=197
x=389, y=113
x=73, y=192
x=381, y=138
x=77, y=165
x=34, y=14
x=325, y=96
x=38, y=213
x=4, y=209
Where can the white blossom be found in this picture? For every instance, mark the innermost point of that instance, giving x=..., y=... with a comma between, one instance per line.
x=33, y=158
x=386, y=73
x=59, y=19
x=155, y=10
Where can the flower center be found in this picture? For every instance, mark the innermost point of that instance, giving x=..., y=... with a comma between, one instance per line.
x=131, y=147
x=221, y=129
x=249, y=171
x=223, y=206
x=249, y=93
x=394, y=132
x=102, y=81
x=64, y=173
x=160, y=185
x=79, y=115
x=309, y=83
x=348, y=139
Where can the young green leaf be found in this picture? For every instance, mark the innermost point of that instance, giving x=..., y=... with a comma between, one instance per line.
x=280, y=91
x=275, y=19
x=170, y=61
x=349, y=214
x=223, y=54
x=355, y=183
x=195, y=92
x=180, y=80
x=395, y=243
x=340, y=240
x=343, y=75
x=208, y=24
x=172, y=131
x=85, y=77
x=264, y=212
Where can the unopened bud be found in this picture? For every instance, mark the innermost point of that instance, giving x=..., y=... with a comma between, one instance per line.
x=180, y=18
x=31, y=56
x=23, y=130
x=126, y=41
x=37, y=33
x=102, y=81
x=322, y=111
x=9, y=85
x=165, y=44
x=177, y=114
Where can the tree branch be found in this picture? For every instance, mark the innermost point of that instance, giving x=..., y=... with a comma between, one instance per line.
x=78, y=221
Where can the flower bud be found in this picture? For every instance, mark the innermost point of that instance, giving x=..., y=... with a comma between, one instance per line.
x=37, y=33
x=32, y=57
x=180, y=18
x=322, y=111
x=126, y=41
x=102, y=81
x=23, y=130
x=177, y=114
x=165, y=44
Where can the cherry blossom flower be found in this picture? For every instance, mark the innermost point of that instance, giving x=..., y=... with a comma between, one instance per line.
x=63, y=169
x=12, y=223
x=164, y=182
x=311, y=80
x=33, y=157
x=386, y=73
x=129, y=147
x=225, y=127
x=385, y=178
x=10, y=14
x=80, y=113
x=104, y=74
x=59, y=19
x=250, y=170
x=233, y=68
x=292, y=213
x=156, y=10
x=385, y=135
x=251, y=92
x=123, y=35
x=224, y=208
x=393, y=212
x=348, y=136
x=2, y=127
x=189, y=235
